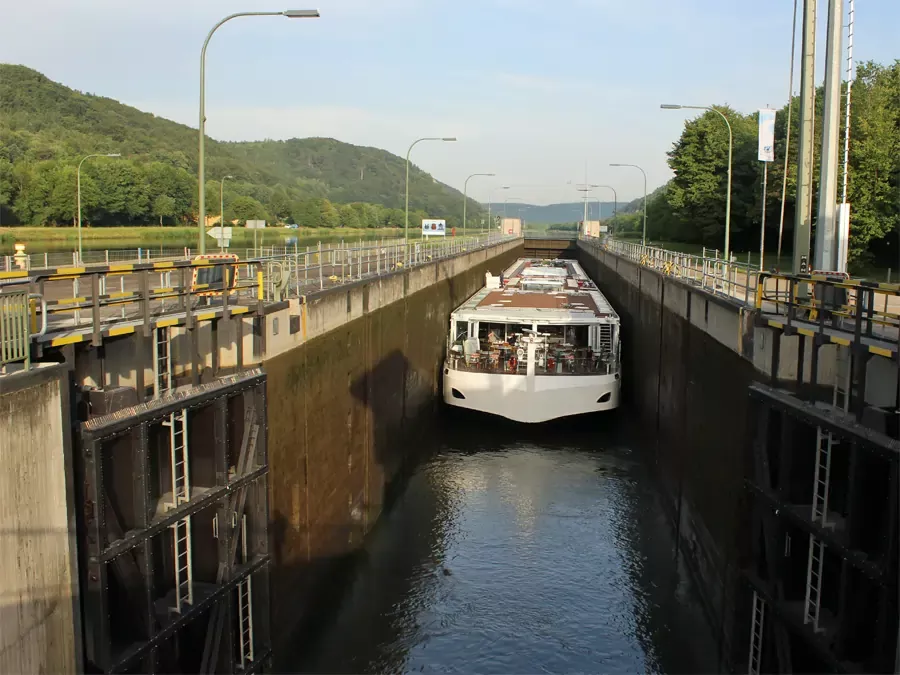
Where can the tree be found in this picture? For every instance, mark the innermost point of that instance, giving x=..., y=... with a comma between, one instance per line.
x=247, y=208
x=349, y=217
x=164, y=207
x=875, y=162
x=328, y=215
x=280, y=204
x=699, y=159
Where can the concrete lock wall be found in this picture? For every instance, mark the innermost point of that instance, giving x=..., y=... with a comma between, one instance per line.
x=348, y=391
x=117, y=365
x=688, y=360
x=39, y=620
x=686, y=376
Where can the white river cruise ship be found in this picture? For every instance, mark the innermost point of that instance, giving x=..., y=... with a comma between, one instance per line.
x=535, y=344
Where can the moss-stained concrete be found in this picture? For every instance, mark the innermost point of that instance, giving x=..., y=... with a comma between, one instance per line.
x=343, y=409
x=688, y=386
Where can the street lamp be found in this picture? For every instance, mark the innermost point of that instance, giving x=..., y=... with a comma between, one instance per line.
x=615, y=203
x=465, y=197
x=675, y=106
x=222, y=203
x=586, y=189
x=414, y=143
x=491, y=204
x=201, y=162
x=510, y=199
x=78, y=190
x=644, y=237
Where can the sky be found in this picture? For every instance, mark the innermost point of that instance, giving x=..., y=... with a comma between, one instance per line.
x=534, y=90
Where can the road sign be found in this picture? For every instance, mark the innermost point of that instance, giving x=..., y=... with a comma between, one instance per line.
x=434, y=228
x=220, y=234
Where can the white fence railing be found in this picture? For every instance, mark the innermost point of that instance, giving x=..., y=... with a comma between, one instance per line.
x=733, y=279
x=297, y=271
x=332, y=251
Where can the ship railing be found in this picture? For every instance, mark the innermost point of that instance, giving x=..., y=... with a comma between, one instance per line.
x=484, y=363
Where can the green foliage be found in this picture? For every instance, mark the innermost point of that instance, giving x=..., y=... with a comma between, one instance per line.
x=247, y=208
x=164, y=207
x=875, y=162
x=46, y=128
x=349, y=217
x=691, y=207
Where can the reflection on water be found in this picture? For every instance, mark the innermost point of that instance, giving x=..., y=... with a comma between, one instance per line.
x=513, y=551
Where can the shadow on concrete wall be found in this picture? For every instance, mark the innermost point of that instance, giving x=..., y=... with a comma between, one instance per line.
x=336, y=547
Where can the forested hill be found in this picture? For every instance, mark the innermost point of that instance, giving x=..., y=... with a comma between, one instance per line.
x=45, y=128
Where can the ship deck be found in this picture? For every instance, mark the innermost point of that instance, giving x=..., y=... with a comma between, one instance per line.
x=574, y=299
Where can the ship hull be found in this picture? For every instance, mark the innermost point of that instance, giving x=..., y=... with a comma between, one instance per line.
x=530, y=399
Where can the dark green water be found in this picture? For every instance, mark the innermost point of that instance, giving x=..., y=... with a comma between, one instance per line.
x=514, y=550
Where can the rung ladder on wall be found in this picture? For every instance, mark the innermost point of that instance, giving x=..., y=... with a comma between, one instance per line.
x=182, y=553
x=184, y=576
x=245, y=606
x=181, y=494
x=757, y=625
x=162, y=361
x=825, y=443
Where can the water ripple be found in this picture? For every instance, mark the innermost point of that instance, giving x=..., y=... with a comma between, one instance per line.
x=519, y=557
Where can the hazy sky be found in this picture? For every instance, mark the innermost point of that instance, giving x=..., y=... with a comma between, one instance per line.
x=531, y=88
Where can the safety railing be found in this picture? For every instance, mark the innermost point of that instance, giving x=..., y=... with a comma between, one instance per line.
x=15, y=326
x=20, y=321
x=732, y=279
x=34, y=261
x=88, y=300
x=859, y=308
x=500, y=363
x=300, y=272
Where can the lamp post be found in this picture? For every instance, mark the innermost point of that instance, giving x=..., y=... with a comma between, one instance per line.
x=491, y=204
x=201, y=161
x=465, y=196
x=406, y=217
x=675, y=106
x=222, y=202
x=586, y=189
x=510, y=199
x=615, y=204
x=78, y=190
x=644, y=236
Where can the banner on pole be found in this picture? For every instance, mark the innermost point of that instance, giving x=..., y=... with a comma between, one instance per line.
x=766, y=135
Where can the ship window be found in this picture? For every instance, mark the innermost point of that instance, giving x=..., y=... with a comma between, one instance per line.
x=492, y=332
x=576, y=336
x=515, y=330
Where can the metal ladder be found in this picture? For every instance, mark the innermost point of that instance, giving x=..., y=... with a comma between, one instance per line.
x=184, y=574
x=825, y=442
x=245, y=606
x=179, y=454
x=181, y=493
x=162, y=362
x=606, y=338
x=756, y=634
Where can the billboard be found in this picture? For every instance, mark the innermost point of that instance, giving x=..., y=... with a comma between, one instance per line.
x=766, y=135
x=434, y=228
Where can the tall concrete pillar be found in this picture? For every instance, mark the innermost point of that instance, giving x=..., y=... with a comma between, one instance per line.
x=803, y=207
x=826, y=222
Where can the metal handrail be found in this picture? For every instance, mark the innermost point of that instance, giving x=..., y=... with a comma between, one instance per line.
x=317, y=269
x=715, y=275
x=15, y=326
x=162, y=287
x=805, y=299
